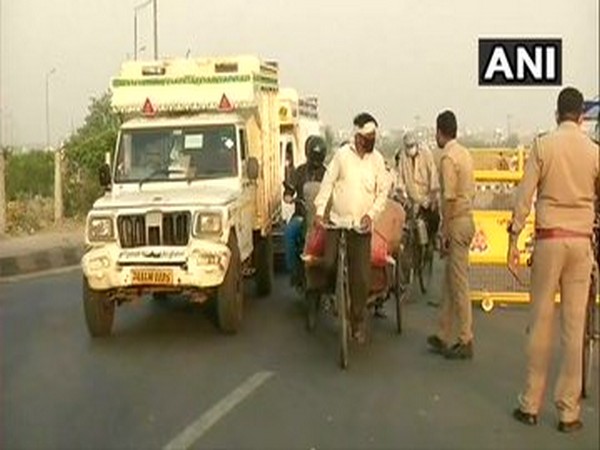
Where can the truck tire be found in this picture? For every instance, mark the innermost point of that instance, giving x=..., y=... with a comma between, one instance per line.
x=230, y=295
x=264, y=264
x=99, y=311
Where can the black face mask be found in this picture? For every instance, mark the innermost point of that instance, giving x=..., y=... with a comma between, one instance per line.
x=368, y=145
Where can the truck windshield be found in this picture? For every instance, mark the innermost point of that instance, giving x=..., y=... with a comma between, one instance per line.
x=171, y=154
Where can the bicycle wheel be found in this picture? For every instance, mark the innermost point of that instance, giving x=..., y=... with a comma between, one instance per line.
x=399, y=292
x=418, y=258
x=312, y=308
x=405, y=265
x=342, y=296
x=589, y=335
x=425, y=267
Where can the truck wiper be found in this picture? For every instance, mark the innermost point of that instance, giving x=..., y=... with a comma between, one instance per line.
x=160, y=172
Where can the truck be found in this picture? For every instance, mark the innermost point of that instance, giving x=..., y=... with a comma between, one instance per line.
x=298, y=119
x=193, y=191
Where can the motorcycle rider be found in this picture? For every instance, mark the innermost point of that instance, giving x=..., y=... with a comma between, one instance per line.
x=312, y=171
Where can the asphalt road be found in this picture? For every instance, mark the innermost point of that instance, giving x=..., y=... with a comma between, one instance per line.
x=168, y=377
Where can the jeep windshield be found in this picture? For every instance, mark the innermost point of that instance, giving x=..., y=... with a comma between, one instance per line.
x=175, y=154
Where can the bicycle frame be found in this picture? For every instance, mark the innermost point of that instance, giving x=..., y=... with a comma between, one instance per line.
x=342, y=297
x=415, y=251
x=591, y=334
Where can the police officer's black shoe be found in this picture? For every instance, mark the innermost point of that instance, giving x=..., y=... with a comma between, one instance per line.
x=570, y=427
x=437, y=345
x=523, y=417
x=460, y=351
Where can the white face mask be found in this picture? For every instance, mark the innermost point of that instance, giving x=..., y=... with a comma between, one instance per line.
x=411, y=151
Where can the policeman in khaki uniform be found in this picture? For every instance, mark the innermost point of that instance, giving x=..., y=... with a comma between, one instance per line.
x=458, y=190
x=563, y=169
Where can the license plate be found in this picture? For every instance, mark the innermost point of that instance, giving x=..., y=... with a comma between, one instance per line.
x=152, y=276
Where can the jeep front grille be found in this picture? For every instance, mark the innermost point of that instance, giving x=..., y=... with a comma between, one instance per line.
x=172, y=229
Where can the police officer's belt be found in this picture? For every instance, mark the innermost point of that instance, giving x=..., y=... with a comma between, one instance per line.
x=559, y=233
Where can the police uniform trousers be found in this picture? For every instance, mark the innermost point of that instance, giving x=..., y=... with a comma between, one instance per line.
x=563, y=265
x=455, y=318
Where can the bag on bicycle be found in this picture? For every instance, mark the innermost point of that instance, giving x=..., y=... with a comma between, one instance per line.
x=315, y=242
x=379, y=249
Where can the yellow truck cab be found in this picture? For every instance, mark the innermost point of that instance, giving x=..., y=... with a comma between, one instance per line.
x=194, y=188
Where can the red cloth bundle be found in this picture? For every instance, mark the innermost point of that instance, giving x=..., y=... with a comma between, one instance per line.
x=315, y=242
x=379, y=249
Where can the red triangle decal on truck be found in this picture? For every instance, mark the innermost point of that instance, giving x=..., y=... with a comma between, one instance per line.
x=225, y=104
x=148, y=108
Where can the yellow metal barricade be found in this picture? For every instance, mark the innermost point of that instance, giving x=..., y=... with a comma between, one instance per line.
x=489, y=279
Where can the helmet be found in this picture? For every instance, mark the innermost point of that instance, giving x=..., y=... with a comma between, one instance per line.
x=315, y=149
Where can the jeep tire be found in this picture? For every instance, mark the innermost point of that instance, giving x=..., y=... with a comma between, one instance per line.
x=230, y=294
x=99, y=311
x=264, y=264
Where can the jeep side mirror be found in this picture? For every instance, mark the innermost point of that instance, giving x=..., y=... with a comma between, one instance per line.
x=104, y=176
x=252, y=168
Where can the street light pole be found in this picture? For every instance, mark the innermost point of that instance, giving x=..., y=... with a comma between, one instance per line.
x=57, y=155
x=135, y=26
x=2, y=164
x=48, y=74
x=155, y=13
x=135, y=34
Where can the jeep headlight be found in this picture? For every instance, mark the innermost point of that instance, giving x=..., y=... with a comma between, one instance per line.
x=100, y=229
x=208, y=223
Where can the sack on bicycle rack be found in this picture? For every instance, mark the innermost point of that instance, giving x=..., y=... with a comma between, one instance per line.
x=379, y=249
x=315, y=242
x=390, y=223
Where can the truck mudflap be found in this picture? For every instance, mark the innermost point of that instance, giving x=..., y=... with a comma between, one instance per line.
x=200, y=266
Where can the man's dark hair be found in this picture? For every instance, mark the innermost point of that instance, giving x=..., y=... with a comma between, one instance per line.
x=362, y=118
x=569, y=104
x=446, y=123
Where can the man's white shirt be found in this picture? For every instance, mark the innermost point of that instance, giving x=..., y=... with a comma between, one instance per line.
x=357, y=186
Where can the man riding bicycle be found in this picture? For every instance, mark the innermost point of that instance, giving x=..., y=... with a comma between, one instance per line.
x=313, y=170
x=418, y=180
x=357, y=184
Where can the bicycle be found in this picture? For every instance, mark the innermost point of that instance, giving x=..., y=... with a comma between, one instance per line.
x=591, y=333
x=342, y=305
x=418, y=249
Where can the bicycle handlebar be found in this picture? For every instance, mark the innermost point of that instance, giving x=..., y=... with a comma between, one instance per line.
x=348, y=226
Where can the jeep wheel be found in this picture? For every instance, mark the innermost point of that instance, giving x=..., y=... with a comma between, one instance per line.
x=264, y=264
x=99, y=311
x=230, y=295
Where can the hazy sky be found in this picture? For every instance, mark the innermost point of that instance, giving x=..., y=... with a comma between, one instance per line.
x=398, y=58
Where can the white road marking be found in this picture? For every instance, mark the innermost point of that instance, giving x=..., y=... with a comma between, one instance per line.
x=39, y=274
x=194, y=431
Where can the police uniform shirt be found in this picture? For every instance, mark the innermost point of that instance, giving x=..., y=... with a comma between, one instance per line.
x=458, y=182
x=563, y=169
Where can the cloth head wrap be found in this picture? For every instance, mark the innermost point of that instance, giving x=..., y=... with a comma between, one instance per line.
x=367, y=128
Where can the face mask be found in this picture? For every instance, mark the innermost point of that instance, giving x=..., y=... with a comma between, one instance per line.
x=369, y=145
